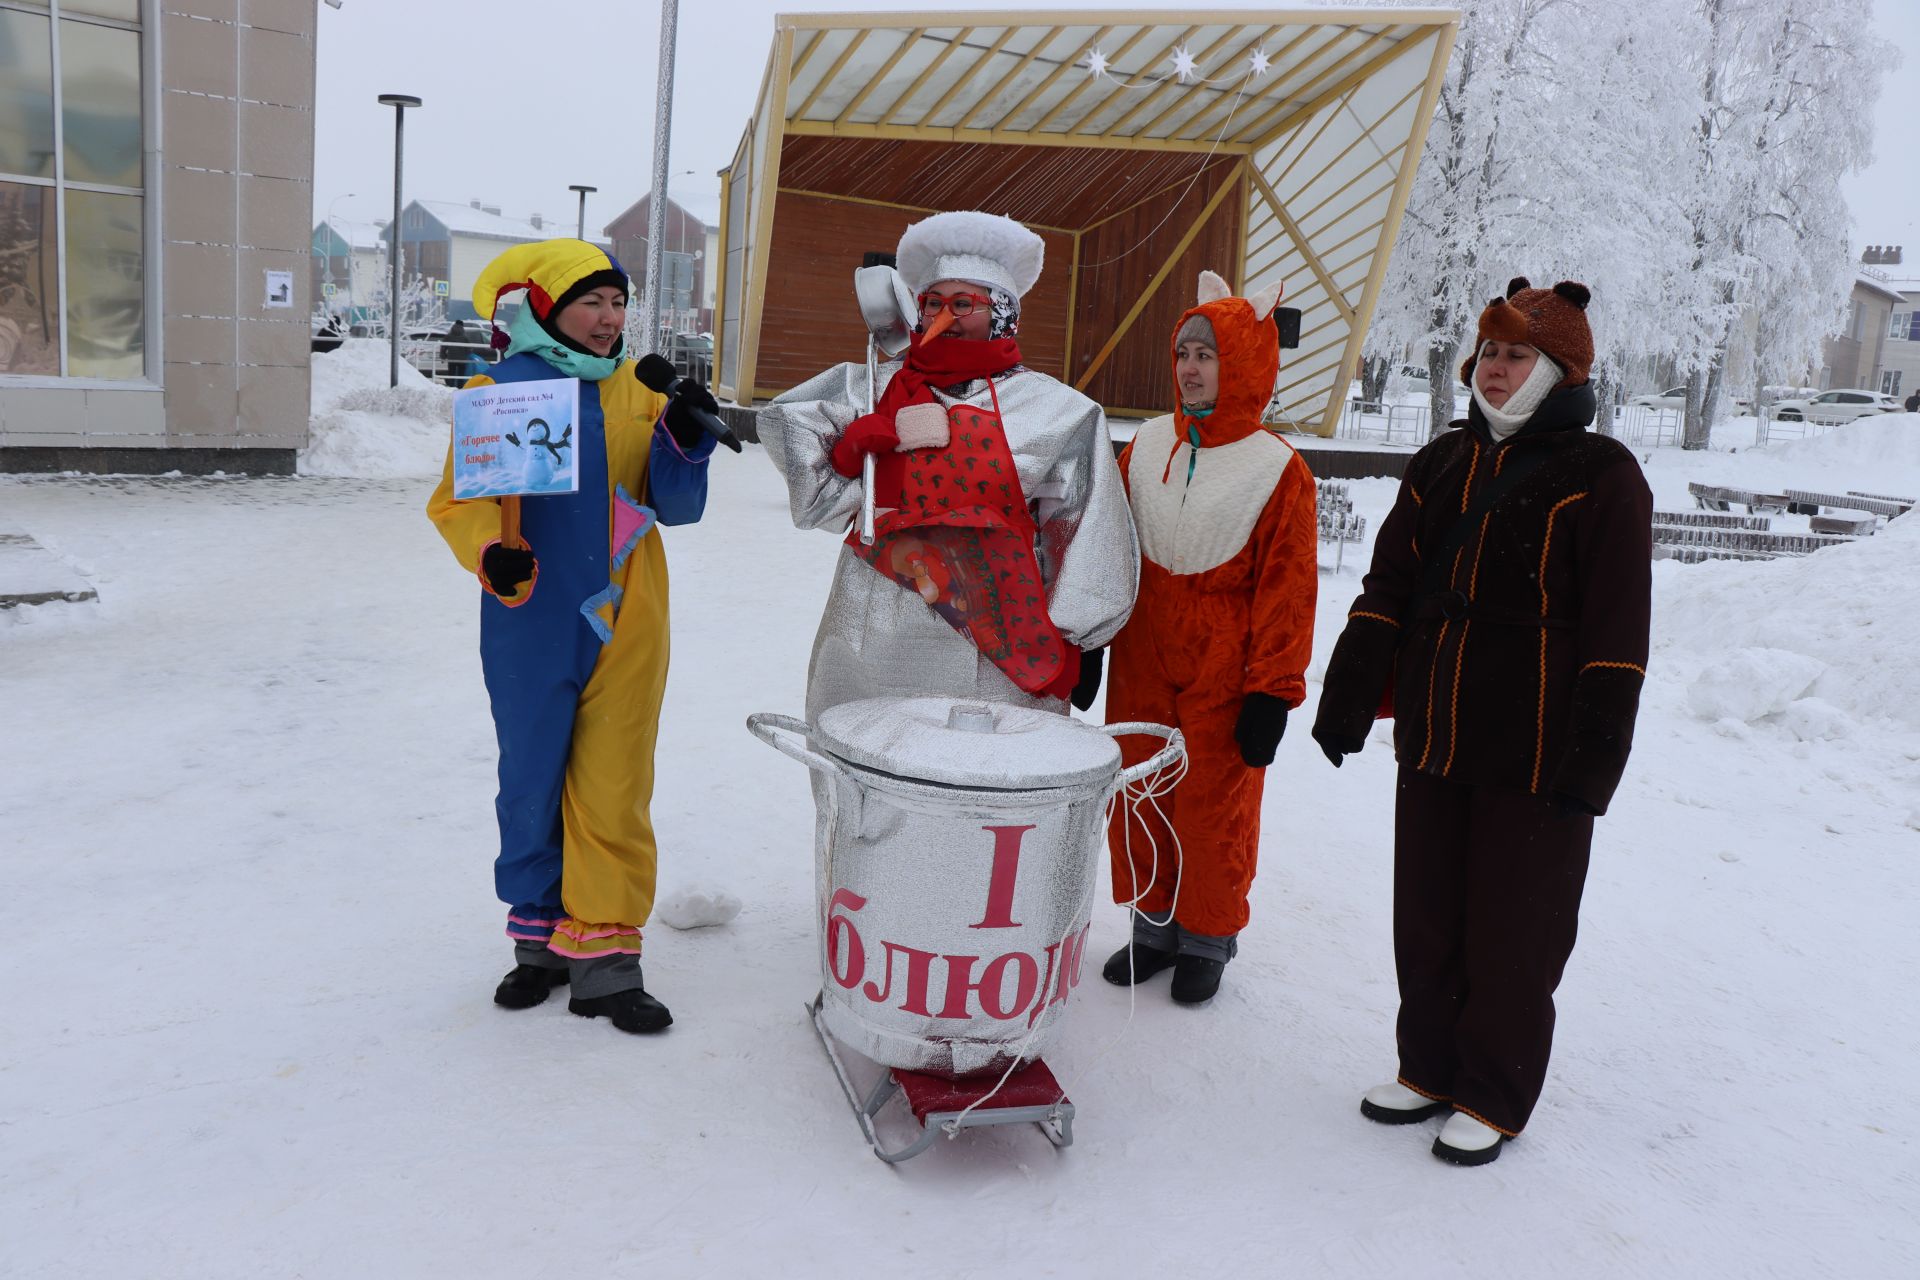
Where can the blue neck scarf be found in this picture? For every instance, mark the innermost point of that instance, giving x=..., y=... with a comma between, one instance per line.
x=1193, y=433
x=525, y=334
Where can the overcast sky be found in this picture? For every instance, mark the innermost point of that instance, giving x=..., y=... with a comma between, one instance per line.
x=523, y=98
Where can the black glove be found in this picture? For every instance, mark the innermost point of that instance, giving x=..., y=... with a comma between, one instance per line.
x=1336, y=749
x=1263, y=719
x=681, y=425
x=505, y=567
x=1083, y=694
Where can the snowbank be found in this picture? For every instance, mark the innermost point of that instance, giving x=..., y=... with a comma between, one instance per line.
x=1875, y=449
x=1804, y=643
x=364, y=428
x=1792, y=643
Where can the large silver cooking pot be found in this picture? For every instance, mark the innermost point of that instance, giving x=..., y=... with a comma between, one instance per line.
x=955, y=862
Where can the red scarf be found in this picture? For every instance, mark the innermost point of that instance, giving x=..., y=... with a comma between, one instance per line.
x=944, y=362
x=957, y=529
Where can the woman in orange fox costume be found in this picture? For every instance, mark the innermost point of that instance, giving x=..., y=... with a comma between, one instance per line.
x=1219, y=639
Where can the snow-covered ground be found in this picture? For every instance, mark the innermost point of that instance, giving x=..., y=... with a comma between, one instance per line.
x=245, y=805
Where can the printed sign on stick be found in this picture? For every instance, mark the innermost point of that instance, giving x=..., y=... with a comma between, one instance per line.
x=516, y=438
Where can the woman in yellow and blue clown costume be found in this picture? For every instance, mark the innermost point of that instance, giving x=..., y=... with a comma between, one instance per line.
x=573, y=636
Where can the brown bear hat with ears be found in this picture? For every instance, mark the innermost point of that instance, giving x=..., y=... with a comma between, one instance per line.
x=1552, y=321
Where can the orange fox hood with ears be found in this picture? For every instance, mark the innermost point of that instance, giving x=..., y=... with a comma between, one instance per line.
x=1249, y=347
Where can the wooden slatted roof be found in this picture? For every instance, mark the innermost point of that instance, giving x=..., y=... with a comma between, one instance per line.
x=1063, y=188
x=1006, y=74
x=1064, y=119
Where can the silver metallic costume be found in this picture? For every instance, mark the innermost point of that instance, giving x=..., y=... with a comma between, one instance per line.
x=878, y=639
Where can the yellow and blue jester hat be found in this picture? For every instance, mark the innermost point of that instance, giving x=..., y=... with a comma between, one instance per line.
x=553, y=272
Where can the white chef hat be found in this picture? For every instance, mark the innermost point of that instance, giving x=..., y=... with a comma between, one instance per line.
x=981, y=248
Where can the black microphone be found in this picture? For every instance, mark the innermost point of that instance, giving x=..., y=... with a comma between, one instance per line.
x=657, y=373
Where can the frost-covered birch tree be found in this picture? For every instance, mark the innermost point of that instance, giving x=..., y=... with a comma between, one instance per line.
x=1680, y=157
x=1532, y=167
x=1785, y=104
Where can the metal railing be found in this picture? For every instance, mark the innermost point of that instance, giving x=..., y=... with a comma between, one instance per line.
x=1387, y=423
x=452, y=363
x=1793, y=426
x=1410, y=424
x=1643, y=426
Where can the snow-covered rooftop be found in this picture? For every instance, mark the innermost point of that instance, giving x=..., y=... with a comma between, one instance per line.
x=464, y=219
x=1879, y=284
x=361, y=235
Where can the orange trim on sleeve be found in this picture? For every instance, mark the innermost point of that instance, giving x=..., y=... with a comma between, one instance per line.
x=1377, y=617
x=1616, y=666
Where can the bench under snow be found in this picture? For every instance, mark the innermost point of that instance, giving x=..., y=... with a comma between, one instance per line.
x=30, y=574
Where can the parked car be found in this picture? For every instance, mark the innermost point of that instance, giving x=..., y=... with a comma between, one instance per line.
x=1833, y=407
x=1675, y=398
x=1671, y=398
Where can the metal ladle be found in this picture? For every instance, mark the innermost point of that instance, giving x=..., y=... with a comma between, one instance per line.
x=887, y=307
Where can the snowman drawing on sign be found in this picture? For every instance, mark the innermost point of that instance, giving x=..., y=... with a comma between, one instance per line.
x=544, y=455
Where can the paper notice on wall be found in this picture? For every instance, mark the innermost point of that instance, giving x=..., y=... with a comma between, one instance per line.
x=279, y=288
x=516, y=438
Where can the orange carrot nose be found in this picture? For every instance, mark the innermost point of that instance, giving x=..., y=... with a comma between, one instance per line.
x=941, y=322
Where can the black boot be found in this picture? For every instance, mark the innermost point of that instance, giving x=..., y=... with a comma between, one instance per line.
x=1196, y=978
x=632, y=1010
x=1146, y=961
x=527, y=986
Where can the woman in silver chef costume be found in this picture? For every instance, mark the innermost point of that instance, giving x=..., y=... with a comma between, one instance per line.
x=1005, y=544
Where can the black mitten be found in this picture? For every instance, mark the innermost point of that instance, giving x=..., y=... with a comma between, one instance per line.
x=505, y=567
x=1088, y=687
x=681, y=424
x=1336, y=749
x=697, y=395
x=1263, y=720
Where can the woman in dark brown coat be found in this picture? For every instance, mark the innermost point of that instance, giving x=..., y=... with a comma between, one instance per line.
x=1505, y=621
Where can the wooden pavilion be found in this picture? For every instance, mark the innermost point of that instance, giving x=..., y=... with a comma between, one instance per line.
x=1261, y=144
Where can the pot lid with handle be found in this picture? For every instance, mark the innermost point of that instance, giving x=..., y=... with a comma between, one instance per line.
x=963, y=742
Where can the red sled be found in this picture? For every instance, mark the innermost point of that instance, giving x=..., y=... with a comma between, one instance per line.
x=941, y=1107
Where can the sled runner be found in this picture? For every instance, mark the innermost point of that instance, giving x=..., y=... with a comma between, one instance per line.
x=939, y=1106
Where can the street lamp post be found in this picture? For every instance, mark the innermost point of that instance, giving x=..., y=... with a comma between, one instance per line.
x=581, y=231
x=657, y=203
x=399, y=102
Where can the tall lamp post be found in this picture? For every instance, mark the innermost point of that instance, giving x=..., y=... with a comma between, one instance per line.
x=399, y=102
x=581, y=231
x=657, y=204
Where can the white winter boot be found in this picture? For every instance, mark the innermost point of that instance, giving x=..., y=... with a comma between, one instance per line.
x=1464, y=1140
x=1394, y=1103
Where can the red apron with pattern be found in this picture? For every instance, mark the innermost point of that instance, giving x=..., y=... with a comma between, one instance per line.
x=954, y=528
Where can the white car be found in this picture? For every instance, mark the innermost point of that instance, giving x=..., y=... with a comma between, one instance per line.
x=1675, y=398
x=1671, y=398
x=1832, y=407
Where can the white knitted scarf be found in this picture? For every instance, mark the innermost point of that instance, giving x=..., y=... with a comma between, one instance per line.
x=1513, y=415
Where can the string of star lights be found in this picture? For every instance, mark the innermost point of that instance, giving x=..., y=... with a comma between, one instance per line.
x=1181, y=69
x=1239, y=96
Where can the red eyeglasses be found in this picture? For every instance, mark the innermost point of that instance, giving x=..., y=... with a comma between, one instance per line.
x=961, y=304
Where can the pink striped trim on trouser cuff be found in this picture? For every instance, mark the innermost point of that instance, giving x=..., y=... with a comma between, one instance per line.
x=578, y=941
x=521, y=929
